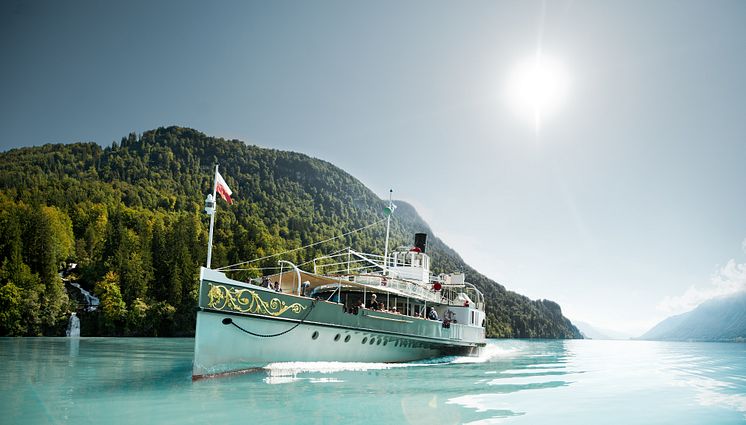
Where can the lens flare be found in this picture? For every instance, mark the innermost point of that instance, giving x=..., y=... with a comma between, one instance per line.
x=537, y=87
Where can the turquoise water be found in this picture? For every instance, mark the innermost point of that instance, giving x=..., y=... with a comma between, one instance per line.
x=147, y=381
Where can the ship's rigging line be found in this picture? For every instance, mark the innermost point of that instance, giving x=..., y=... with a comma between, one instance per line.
x=302, y=247
x=331, y=255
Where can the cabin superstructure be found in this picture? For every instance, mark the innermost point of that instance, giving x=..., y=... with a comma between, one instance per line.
x=403, y=284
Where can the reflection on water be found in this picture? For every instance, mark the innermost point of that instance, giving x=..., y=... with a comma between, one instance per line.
x=616, y=382
x=94, y=380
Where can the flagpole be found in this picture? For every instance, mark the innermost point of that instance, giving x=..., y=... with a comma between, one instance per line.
x=212, y=216
x=388, y=224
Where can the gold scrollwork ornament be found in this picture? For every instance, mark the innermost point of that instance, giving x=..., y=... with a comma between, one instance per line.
x=247, y=301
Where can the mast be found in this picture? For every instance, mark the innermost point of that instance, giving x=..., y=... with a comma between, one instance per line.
x=210, y=208
x=388, y=225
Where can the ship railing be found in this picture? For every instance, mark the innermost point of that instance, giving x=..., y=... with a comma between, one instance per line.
x=349, y=260
x=343, y=267
x=470, y=289
x=456, y=331
x=403, y=287
x=357, y=267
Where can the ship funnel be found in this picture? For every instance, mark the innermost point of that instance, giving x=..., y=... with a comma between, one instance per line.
x=420, y=241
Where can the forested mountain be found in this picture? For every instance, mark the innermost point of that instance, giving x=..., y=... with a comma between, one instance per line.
x=719, y=319
x=130, y=216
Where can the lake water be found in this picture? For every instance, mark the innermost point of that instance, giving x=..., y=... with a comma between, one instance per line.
x=147, y=381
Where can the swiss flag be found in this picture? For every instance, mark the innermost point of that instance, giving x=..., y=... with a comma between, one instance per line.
x=222, y=188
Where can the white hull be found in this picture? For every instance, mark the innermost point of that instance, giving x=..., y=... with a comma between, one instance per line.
x=222, y=348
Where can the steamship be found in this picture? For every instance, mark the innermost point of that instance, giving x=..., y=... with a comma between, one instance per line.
x=347, y=306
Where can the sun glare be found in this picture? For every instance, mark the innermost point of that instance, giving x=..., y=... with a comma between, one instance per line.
x=536, y=87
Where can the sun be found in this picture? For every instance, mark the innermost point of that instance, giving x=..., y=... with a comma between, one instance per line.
x=537, y=87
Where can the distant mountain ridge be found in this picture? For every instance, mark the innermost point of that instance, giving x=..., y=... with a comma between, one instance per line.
x=135, y=209
x=593, y=332
x=719, y=319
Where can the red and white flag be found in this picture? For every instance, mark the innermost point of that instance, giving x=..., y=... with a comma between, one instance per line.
x=222, y=188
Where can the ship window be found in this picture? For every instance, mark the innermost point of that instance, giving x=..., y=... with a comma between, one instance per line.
x=378, y=342
x=315, y=335
x=336, y=338
x=365, y=340
x=372, y=341
x=385, y=342
x=347, y=338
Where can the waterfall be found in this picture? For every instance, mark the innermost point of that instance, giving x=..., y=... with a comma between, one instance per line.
x=90, y=300
x=73, y=326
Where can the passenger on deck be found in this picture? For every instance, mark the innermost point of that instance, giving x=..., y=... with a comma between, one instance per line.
x=448, y=315
x=432, y=314
x=374, y=303
x=266, y=283
x=277, y=287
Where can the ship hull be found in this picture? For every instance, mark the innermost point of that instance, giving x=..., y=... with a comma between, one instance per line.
x=222, y=348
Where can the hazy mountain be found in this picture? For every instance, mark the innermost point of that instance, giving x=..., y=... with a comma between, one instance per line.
x=719, y=319
x=593, y=332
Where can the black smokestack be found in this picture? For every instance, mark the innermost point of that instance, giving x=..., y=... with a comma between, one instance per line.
x=420, y=241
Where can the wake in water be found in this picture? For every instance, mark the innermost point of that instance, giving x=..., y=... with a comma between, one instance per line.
x=286, y=372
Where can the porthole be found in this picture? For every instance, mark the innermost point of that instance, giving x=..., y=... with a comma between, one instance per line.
x=372, y=341
x=378, y=342
x=365, y=340
x=396, y=343
x=347, y=338
x=336, y=338
x=385, y=342
x=315, y=335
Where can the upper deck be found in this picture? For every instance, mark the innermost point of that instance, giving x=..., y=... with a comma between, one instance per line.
x=406, y=274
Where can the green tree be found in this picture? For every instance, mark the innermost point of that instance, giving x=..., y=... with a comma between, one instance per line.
x=113, y=308
x=11, y=310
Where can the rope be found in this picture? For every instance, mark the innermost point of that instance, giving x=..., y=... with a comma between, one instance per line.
x=227, y=269
x=229, y=321
x=330, y=255
x=304, y=247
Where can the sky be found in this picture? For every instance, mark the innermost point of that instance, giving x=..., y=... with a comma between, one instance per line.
x=622, y=197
